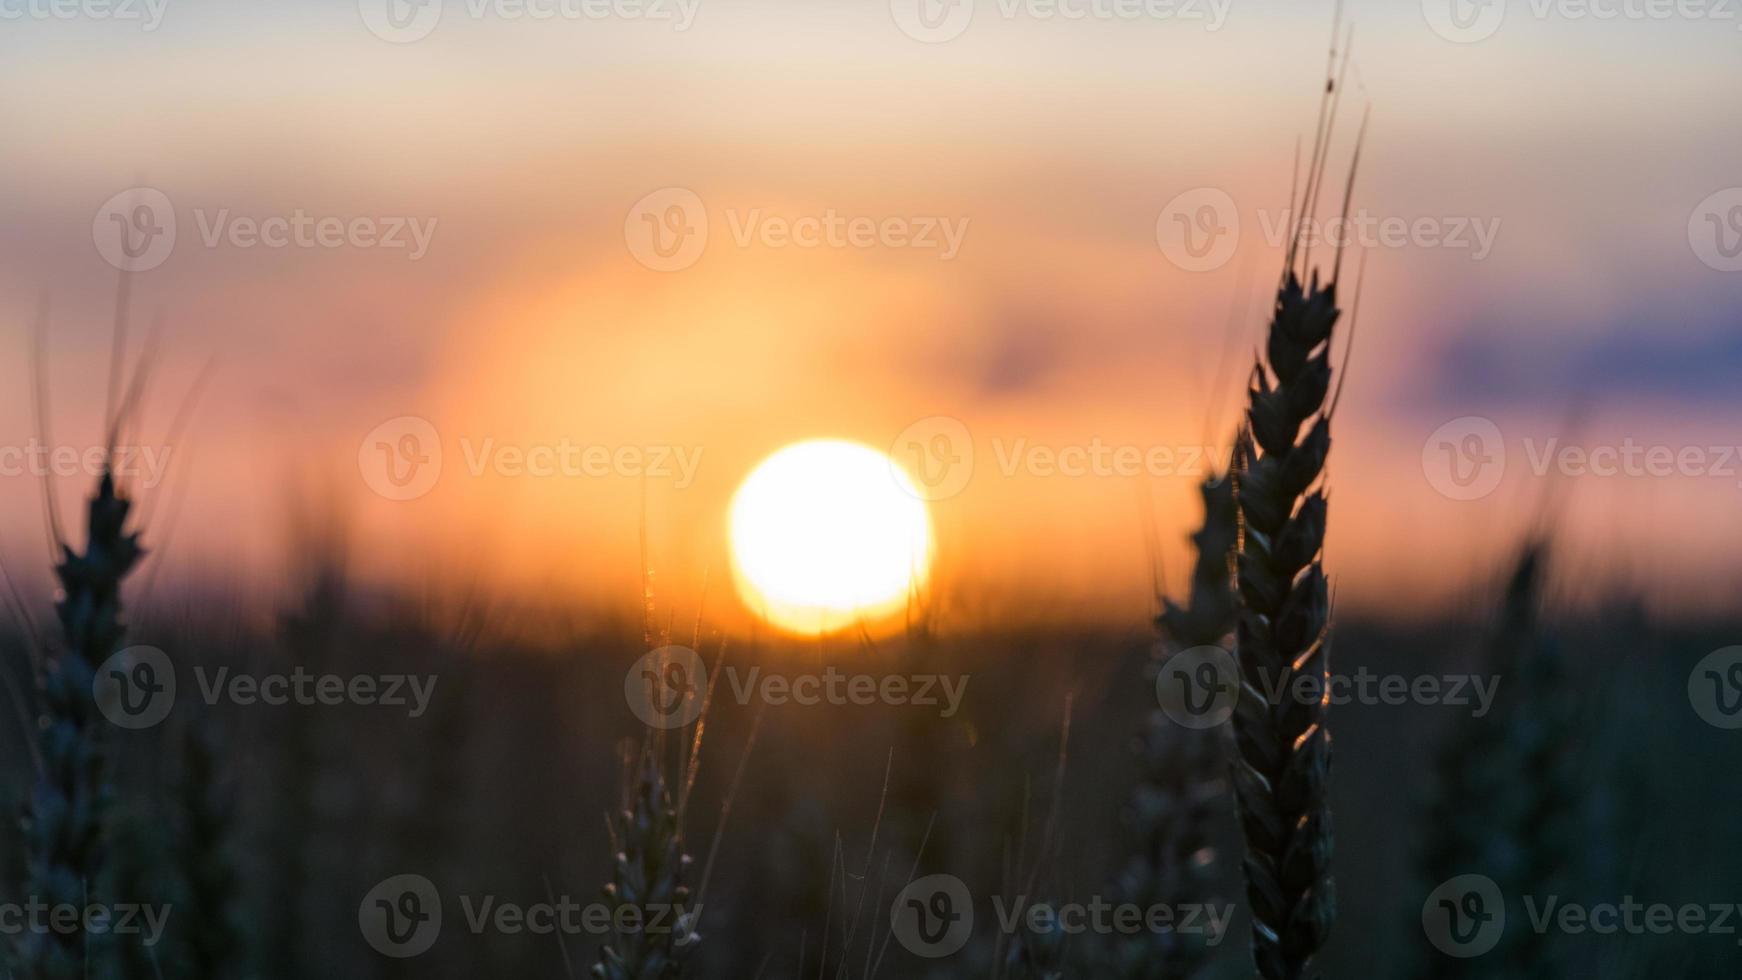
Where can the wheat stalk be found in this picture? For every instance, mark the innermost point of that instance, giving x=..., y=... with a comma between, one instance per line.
x=1180, y=781
x=1283, y=625
x=1281, y=775
x=1208, y=616
x=1173, y=862
x=1505, y=795
x=1282, y=635
x=64, y=818
x=648, y=873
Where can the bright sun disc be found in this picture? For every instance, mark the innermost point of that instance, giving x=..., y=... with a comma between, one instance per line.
x=826, y=534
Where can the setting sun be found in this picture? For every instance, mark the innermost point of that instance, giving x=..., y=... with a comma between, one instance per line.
x=826, y=534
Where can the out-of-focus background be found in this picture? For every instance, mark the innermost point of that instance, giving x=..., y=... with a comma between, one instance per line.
x=384, y=256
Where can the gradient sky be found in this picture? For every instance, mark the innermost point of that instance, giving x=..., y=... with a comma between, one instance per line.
x=1587, y=145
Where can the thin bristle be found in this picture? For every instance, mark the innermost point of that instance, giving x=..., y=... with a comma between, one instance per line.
x=1316, y=160
x=1349, y=191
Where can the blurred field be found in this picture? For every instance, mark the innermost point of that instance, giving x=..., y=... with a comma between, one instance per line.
x=500, y=788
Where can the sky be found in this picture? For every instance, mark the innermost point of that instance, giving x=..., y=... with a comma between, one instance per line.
x=644, y=245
